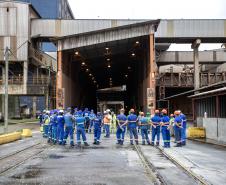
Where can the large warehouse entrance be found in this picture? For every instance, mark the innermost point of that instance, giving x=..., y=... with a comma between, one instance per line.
x=121, y=69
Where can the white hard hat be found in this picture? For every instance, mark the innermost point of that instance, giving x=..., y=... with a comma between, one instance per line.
x=47, y=112
x=61, y=111
x=108, y=110
x=105, y=112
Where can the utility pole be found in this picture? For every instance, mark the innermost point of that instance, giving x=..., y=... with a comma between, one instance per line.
x=6, y=89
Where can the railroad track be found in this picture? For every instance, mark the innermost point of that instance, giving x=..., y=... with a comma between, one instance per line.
x=151, y=172
x=15, y=159
x=156, y=177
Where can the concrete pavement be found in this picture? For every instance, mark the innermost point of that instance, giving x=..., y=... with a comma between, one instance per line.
x=112, y=164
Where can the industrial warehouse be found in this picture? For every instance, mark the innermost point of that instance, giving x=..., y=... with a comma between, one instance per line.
x=56, y=62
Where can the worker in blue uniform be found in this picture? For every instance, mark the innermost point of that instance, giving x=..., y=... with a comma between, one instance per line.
x=183, y=130
x=80, y=128
x=69, y=127
x=97, y=124
x=54, y=127
x=92, y=116
x=121, y=127
x=60, y=127
x=87, y=120
x=46, y=121
x=178, y=128
x=132, y=126
x=75, y=112
x=144, y=125
x=155, y=122
x=51, y=120
x=165, y=123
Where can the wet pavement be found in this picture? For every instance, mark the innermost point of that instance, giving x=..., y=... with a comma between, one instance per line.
x=205, y=160
x=107, y=164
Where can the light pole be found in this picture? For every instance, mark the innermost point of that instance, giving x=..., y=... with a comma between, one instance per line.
x=6, y=89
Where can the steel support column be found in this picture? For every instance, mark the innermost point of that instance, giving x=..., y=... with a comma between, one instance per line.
x=59, y=80
x=195, y=47
x=151, y=84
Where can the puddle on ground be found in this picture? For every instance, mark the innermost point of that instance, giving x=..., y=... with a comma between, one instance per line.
x=54, y=156
x=28, y=174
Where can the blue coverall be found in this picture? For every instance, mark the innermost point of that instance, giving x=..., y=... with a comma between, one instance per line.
x=54, y=128
x=97, y=123
x=92, y=116
x=80, y=127
x=144, y=121
x=60, y=129
x=45, y=126
x=69, y=128
x=87, y=120
x=183, y=130
x=166, y=130
x=156, y=119
x=178, y=130
x=120, y=133
x=132, y=126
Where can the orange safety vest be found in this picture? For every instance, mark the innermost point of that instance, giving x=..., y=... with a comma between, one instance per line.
x=106, y=120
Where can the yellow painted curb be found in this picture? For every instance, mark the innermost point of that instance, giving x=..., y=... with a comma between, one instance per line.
x=7, y=138
x=26, y=133
x=196, y=132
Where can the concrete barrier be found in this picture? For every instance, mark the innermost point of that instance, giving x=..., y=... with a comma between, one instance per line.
x=26, y=133
x=7, y=138
x=210, y=124
x=221, y=130
x=196, y=132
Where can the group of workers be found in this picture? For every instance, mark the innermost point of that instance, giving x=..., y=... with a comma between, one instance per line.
x=58, y=125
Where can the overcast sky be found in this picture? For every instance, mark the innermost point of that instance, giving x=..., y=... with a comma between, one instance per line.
x=148, y=9
x=151, y=9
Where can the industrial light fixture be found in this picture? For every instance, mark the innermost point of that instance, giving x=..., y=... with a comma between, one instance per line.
x=83, y=63
x=133, y=54
x=90, y=74
x=76, y=53
x=126, y=76
x=87, y=70
x=137, y=42
x=129, y=67
x=108, y=59
x=107, y=48
x=109, y=65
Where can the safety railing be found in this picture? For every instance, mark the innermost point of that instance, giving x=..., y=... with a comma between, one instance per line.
x=187, y=79
x=43, y=59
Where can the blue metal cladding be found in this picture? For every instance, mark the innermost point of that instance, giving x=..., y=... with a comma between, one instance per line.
x=48, y=9
x=51, y=9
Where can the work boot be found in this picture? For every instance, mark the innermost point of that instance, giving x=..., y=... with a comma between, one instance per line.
x=86, y=144
x=137, y=143
x=118, y=142
x=95, y=142
x=121, y=143
x=157, y=143
x=131, y=143
x=143, y=142
x=98, y=142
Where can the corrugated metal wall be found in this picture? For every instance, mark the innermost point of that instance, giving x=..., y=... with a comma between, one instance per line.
x=207, y=105
x=222, y=106
x=14, y=29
